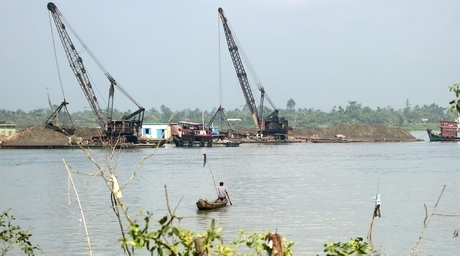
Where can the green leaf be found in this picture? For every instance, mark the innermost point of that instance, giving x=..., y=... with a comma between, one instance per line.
x=176, y=231
x=163, y=220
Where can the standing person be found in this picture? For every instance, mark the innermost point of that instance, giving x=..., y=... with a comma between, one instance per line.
x=377, y=205
x=223, y=194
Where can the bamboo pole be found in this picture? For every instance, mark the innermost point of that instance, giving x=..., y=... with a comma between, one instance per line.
x=206, y=162
x=369, y=233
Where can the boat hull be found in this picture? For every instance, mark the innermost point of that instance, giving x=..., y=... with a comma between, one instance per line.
x=200, y=142
x=226, y=144
x=195, y=141
x=204, y=204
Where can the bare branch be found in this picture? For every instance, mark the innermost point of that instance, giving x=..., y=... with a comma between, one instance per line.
x=428, y=222
x=447, y=215
x=81, y=209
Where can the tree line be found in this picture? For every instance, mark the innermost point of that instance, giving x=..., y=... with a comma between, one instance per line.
x=354, y=113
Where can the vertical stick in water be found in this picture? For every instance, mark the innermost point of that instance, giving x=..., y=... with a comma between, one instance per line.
x=369, y=233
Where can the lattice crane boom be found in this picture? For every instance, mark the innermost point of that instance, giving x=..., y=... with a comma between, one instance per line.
x=240, y=72
x=76, y=64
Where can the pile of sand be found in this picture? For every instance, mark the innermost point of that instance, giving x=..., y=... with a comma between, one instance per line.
x=368, y=132
x=39, y=135
x=357, y=132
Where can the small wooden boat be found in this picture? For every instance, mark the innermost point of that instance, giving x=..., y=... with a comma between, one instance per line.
x=205, y=204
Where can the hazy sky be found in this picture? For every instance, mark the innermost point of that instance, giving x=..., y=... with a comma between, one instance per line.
x=320, y=53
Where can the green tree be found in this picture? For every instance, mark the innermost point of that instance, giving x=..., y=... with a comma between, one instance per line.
x=354, y=113
x=152, y=115
x=290, y=104
x=166, y=112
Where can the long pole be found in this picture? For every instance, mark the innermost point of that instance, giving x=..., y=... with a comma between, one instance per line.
x=206, y=162
x=230, y=201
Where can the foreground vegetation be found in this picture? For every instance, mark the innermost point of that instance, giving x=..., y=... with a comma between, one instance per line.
x=171, y=240
x=12, y=237
x=410, y=118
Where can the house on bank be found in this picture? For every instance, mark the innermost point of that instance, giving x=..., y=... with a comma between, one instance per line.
x=7, y=129
x=158, y=131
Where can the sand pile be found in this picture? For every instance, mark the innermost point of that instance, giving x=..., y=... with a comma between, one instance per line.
x=364, y=132
x=357, y=131
x=39, y=135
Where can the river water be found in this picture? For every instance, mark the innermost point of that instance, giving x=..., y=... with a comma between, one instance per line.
x=309, y=193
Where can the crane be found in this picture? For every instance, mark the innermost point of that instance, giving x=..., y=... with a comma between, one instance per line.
x=51, y=122
x=222, y=120
x=270, y=125
x=130, y=125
